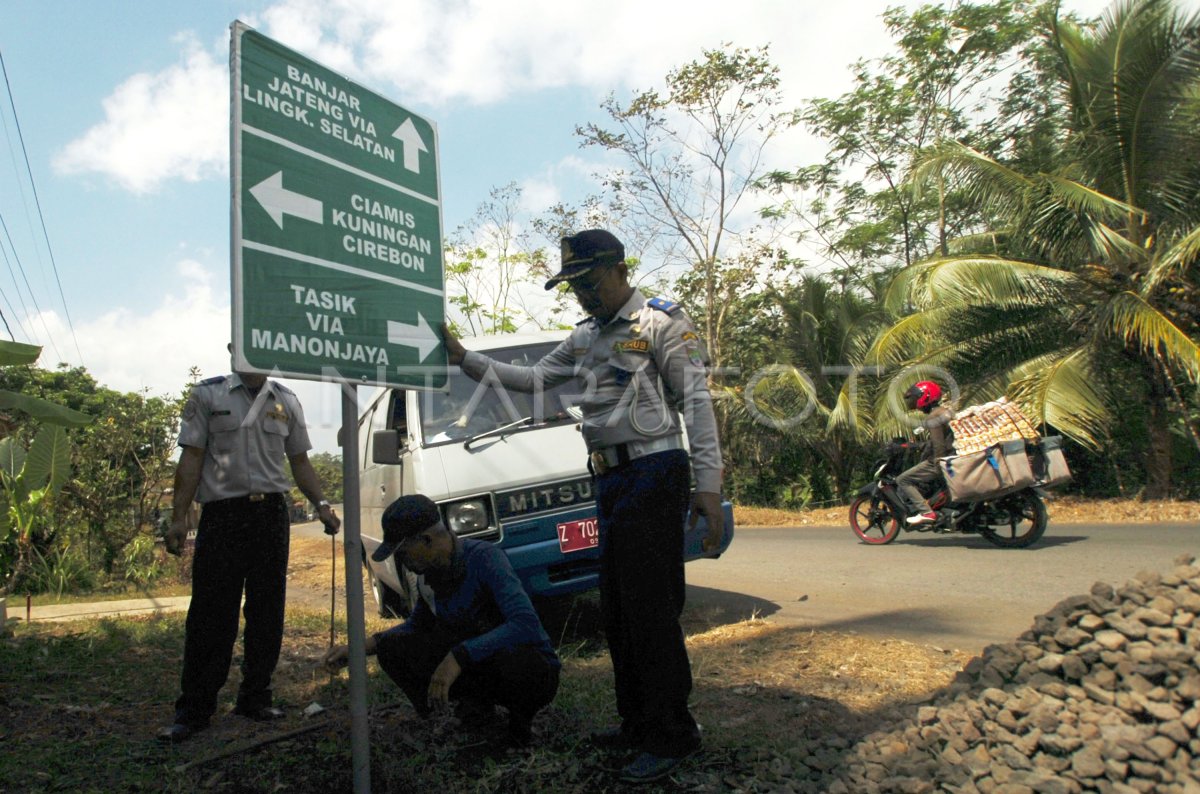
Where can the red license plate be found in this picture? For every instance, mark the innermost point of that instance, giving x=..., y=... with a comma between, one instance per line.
x=578, y=535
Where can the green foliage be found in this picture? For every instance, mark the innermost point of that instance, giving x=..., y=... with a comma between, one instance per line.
x=1077, y=301
x=57, y=571
x=142, y=563
x=15, y=353
x=30, y=481
x=691, y=155
x=329, y=472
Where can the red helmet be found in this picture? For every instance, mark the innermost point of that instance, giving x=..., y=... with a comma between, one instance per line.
x=924, y=392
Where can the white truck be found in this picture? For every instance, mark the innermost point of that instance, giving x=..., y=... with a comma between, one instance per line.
x=502, y=466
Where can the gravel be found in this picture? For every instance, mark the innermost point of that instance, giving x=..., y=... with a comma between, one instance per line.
x=1101, y=694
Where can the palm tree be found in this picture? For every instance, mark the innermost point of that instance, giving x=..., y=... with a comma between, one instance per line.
x=1085, y=281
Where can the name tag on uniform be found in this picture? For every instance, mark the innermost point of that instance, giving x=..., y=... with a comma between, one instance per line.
x=219, y=413
x=633, y=346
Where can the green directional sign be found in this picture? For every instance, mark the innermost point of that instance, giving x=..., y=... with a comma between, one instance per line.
x=337, y=225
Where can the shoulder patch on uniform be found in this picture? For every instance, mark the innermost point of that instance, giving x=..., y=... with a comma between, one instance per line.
x=663, y=305
x=211, y=381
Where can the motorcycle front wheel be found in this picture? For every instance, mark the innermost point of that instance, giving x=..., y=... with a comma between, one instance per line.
x=1015, y=521
x=872, y=520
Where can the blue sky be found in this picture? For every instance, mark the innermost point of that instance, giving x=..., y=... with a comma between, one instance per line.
x=123, y=108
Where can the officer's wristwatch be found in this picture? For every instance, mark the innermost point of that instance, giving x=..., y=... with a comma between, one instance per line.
x=323, y=503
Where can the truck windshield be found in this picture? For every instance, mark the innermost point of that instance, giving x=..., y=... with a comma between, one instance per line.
x=469, y=408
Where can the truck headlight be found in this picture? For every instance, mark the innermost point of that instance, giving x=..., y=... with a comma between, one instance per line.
x=468, y=517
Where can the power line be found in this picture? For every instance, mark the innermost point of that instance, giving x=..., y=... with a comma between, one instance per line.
x=17, y=287
x=25, y=278
x=38, y=204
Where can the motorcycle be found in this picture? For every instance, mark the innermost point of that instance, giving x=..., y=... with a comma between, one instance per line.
x=1013, y=521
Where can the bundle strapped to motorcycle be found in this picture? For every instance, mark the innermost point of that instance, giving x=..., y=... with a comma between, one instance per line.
x=998, y=451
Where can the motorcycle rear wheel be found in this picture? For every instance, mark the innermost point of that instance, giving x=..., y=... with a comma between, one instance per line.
x=873, y=521
x=1015, y=521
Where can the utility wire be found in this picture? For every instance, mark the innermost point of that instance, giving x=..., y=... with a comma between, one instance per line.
x=32, y=297
x=38, y=204
x=17, y=288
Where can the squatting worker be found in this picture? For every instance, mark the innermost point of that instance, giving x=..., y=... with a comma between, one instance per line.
x=648, y=367
x=235, y=433
x=473, y=636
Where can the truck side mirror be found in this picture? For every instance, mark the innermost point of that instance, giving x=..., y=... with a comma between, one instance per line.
x=385, y=446
x=341, y=441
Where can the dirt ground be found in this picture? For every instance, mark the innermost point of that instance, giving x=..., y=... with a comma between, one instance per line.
x=764, y=654
x=1063, y=510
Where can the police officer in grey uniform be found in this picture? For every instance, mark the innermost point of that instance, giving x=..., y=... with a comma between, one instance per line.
x=236, y=432
x=645, y=368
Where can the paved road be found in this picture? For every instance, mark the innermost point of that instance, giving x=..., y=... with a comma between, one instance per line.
x=952, y=591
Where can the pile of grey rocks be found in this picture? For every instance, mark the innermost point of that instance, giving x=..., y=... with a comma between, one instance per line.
x=1101, y=694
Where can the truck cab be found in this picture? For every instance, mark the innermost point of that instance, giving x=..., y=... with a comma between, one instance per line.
x=502, y=466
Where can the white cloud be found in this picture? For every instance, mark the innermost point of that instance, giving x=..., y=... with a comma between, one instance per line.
x=171, y=124
x=155, y=349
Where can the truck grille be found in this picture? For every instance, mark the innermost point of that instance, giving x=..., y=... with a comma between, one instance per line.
x=543, y=498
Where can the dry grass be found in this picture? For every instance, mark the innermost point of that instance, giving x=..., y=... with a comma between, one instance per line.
x=1063, y=510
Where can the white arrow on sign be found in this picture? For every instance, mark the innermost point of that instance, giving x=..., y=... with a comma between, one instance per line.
x=413, y=145
x=279, y=202
x=420, y=336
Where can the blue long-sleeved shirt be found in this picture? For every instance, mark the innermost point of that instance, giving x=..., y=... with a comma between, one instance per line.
x=480, y=602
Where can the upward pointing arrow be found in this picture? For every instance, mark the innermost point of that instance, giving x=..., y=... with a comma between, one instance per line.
x=413, y=145
x=279, y=202
x=420, y=336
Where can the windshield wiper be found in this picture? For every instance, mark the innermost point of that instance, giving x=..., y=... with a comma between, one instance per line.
x=501, y=431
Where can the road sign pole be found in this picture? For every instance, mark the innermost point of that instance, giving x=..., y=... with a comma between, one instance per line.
x=360, y=739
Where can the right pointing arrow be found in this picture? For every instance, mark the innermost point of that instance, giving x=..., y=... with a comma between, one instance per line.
x=420, y=336
x=279, y=202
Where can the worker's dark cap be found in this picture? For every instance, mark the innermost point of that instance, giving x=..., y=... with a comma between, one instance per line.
x=583, y=251
x=404, y=518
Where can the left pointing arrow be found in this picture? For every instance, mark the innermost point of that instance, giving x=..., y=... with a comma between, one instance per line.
x=279, y=202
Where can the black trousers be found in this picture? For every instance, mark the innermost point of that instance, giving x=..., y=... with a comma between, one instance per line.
x=240, y=546
x=642, y=509
x=521, y=679
x=909, y=482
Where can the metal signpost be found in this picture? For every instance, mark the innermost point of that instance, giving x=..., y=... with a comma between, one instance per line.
x=337, y=259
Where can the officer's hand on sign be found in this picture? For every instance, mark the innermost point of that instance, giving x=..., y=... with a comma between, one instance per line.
x=329, y=518
x=709, y=505
x=175, y=536
x=454, y=349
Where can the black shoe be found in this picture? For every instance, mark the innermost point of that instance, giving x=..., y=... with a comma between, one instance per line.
x=179, y=732
x=519, y=732
x=260, y=714
x=475, y=715
x=648, y=767
x=616, y=739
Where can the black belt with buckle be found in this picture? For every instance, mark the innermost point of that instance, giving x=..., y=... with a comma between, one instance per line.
x=254, y=498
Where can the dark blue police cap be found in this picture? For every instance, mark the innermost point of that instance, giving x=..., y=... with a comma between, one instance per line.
x=588, y=249
x=403, y=518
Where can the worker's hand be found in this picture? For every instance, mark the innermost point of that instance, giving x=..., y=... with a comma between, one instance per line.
x=330, y=519
x=174, y=537
x=708, y=504
x=442, y=679
x=336, y=658
x=454, y=349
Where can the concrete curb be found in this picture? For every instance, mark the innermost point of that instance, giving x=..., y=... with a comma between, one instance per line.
x=84, y=611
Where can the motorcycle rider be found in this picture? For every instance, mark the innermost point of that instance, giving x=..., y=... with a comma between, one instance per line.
x=926, y=396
